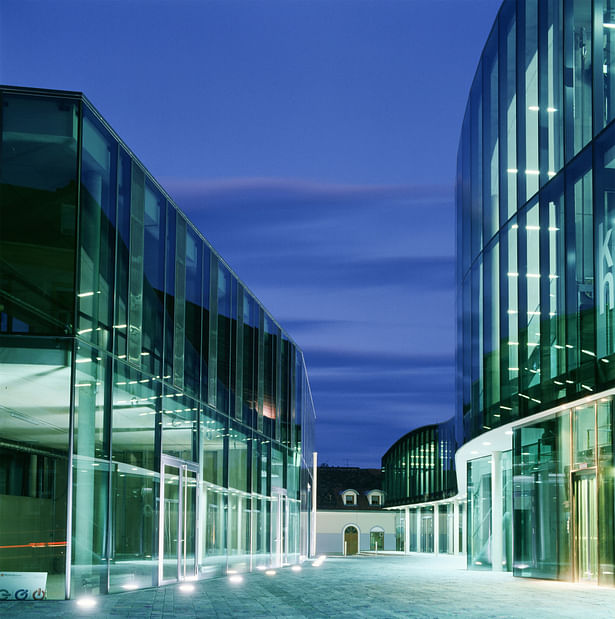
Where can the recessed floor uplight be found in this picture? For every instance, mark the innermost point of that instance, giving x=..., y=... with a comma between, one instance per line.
x=296, y=568
x=87, y=602
x=261, y=568
x=270, y=572
x=236, y=578
x=130, y=586
x=317, y=563
x=186, y=587
x=231, y=571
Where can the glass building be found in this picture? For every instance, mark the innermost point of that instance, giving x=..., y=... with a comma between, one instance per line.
x=420, y=484
x=536, y=293
x=156, y=423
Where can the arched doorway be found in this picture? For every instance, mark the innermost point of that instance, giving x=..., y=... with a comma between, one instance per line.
x=376, y=539
x=351, y=540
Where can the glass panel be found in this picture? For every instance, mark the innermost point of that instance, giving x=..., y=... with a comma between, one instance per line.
x=491, y=317
x=260, y=531
x=426, y=515
x=491, y=141
x=604, y=225
x=606, y=493
x=529, y=85
x=238, y=531
x=608, y=60
x=192, y=345
x=213, y=430
x=580, y=294
x=511, y=372
x=34, y=416
x=531, y=362
x=136, y=402
x=508, y=111
x=214, y=527
x=90, y=473
x=190, y=487
x=584, y=433
x=578, y=75
x=153, y=279
x=479, y=513
x=556, y=325
x=179, y=425
x=120, y=328
x=541, y=502
x=171, y=522
x=507, y=511
x=38, y=196
x=586, y=532
x=96, y=232
x=552, y=86
x=238, y=459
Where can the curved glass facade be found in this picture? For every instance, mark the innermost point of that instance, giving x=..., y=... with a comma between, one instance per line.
x=535, y=214
x=536, y=293
x=156, y=423
x=420, y=466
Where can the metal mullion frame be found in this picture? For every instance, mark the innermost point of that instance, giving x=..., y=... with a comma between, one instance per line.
x=71, y=416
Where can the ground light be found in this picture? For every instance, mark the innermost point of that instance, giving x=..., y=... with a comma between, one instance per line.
x=296, y=568
x=270, y=572
x=236, y=578
x=87, y=602
x=186, y=587
x=130, y=586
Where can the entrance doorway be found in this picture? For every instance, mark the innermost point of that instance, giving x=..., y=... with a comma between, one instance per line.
x=178, y=493
x=351, y=541
x=585, y=526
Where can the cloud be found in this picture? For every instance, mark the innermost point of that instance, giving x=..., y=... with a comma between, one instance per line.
x=287, y=194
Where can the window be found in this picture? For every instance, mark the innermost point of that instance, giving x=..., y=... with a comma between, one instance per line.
x=376, y=538
x=375, y=497
x=349, y=497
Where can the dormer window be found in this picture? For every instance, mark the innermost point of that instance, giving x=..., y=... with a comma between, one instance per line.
x=349, y=497
x=375, y=497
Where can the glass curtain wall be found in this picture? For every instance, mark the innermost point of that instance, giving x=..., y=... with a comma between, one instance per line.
x=420, y=466
x=136, y=345
x=535, y=283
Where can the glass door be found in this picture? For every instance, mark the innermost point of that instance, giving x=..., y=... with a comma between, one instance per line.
x=279, y=527
x=585, y=526
x=177, y=521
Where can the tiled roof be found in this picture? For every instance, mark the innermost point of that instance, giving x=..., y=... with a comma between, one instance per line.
x=333, y=480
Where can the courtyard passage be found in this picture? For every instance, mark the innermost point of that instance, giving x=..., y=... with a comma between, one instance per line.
x=360, y=586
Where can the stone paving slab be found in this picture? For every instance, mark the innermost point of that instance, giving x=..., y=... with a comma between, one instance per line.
x=382, y=586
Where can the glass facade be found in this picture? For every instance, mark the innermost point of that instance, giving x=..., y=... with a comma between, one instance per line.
x=420, y=466
x=536, y=292
x=156, y=423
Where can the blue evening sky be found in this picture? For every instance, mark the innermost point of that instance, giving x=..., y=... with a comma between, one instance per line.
x=314, y=144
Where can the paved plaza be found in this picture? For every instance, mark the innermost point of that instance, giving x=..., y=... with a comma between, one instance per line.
x=360, y=586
